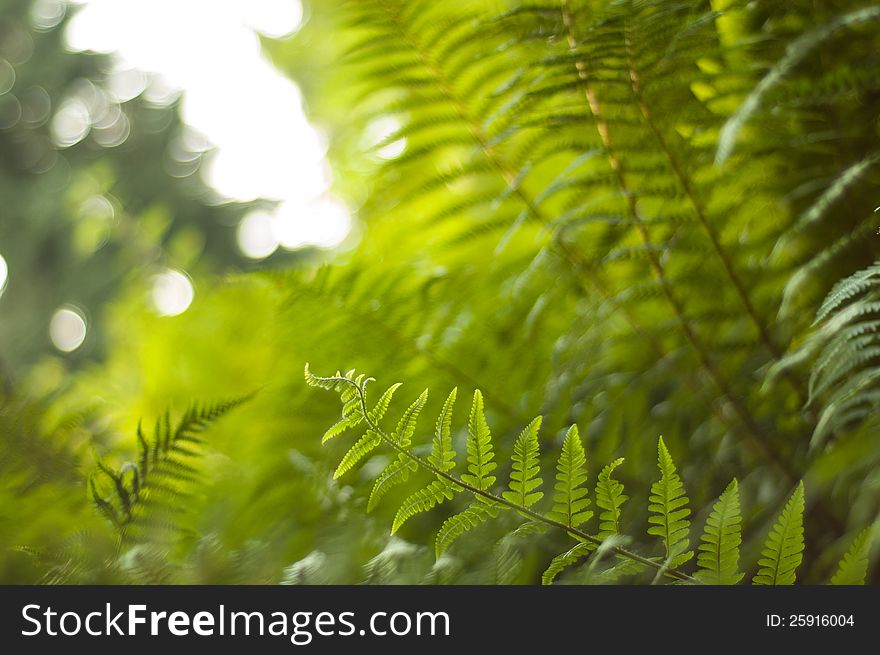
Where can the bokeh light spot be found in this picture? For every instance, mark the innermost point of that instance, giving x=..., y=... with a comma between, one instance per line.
x=67, y=329
x=126, y=84
x=324, y=223
x=47, y=14
x=71, y=123
x=262, y=143
x=377, y=135
x=172, y=293
x=273, y=18
x=257, y=236
x=4, y=274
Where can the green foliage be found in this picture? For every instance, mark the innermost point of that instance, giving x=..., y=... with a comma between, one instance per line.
x=422, y=500
x=457, y=525
x=670, y=510
x=524, y=478
x=854, y=566
x=565, y=560
x=143, y=494
x=846, y=346
x=571, y=499
x=719, y=551
x=718, y=556
x=479, y=448
x=618, y=215
x=609, y=498
x=783, y=550
x=442, y=454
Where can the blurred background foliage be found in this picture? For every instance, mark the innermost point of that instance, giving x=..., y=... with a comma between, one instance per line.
x=548, y=207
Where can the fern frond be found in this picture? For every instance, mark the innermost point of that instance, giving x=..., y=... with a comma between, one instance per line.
x=609, y=498
x=845, y=349
x=796, y=51
x=565, y=560
x=407, y=424
x=158, y=481
x=423, y=500
x=783, y=551
x=571, y=498
x=524, y=479
x=854, y=566
x=520, y=497
x=459, y=524
x=479, y=448
x=847, y=289
x=442, y=454
x=378, y=412
x=397, y=472
x=668, y=503
x=718, y=556
x=362, y=447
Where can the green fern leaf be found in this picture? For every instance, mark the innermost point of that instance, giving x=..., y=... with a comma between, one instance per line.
x=668, y=503
x=330, y=383
x=442, y=455
x=784, y=548
x=479, y=448
x=363, y=447
x=342, y=425
x=794, y=53
x=378, y=412
x=609, y=498
x=158, y=482
x=718, y=556
x=847, y=289
x=853, y=568
x=566, y=559
x=526, y=467
x=571, y=498
x=407, y=424
x=397, y=472
x=459, y=524
x=423, y=500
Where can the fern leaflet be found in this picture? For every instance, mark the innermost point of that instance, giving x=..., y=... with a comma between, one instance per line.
x=854, y=566
x=565, y=560
x=718, y=556
x=457, y=525
x=571, y=498
x=362, y=447
x=609, y=498
x=479, y=448
x=423, y=500
x=397, y=472
x=407, y=424
x=442, y=455
x=524, y=479
x=784, y=548
x=668, y=503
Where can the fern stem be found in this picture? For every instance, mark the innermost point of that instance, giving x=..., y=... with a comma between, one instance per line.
x=487, y=495
x=505, y=171
x=759, y=438
x=702, y=216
